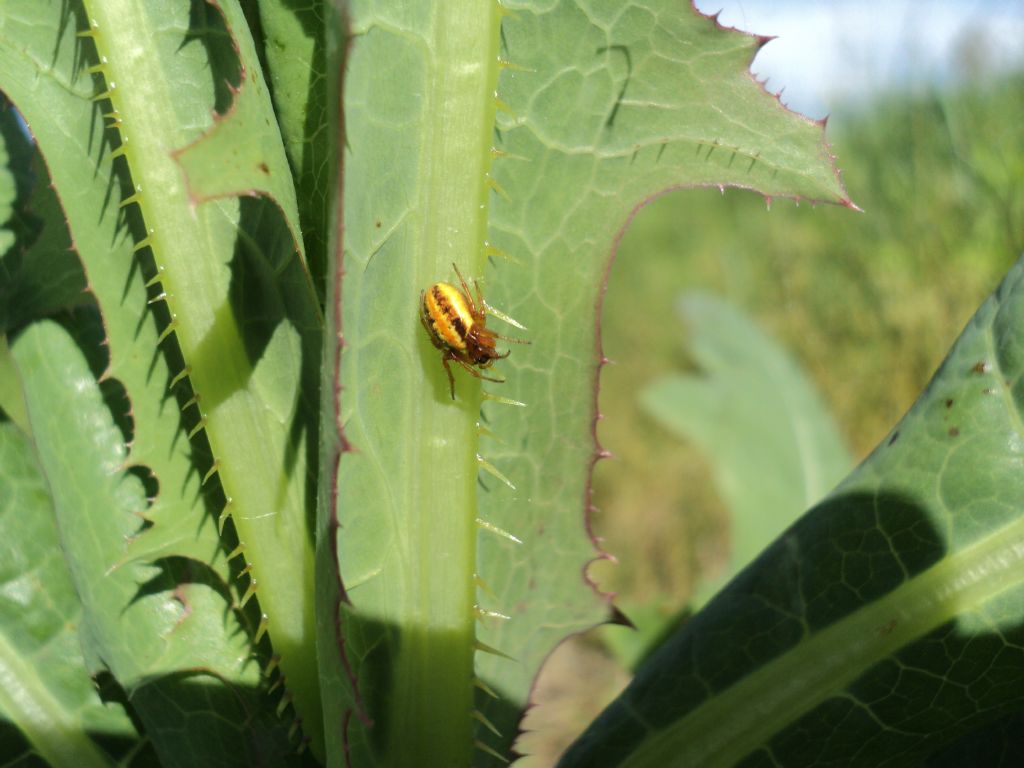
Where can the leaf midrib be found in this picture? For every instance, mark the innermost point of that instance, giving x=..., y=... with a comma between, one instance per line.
x=726, y=728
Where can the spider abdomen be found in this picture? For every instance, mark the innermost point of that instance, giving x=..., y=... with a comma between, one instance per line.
x=449, y=316
x=457, y=326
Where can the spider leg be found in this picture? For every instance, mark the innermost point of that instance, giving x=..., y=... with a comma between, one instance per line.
x=448, y=370
x=477, y=373
x=508, y=338
x=479, y=300
x=465, y=289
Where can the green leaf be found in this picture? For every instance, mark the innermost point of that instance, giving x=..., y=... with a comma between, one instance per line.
x=294, y=46
x=238, y=155
x=164, y=629
x=46, y=690
x=240, y=303
x=12, y=406
x=774, y=447
x=39, y=272
x=647, y=97
x=403, y=531
x=182, y=541
x=882, y=626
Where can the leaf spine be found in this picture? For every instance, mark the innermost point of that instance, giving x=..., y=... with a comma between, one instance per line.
x=490, y=751
x=485, y=648
x=503, y=107
x=179, y=377
x=507, y=13
x=225, y=513
x=483, y=431
x=494, y=471
x=491, y=528
x=248, y=593
x=502, y=316
x=485, y=688
x=481, y=718
x=144, y=243
x=131, y=199
x=491, y=250
x=283, y=704
x=493, y=184
x=197, y=428
x=503, y=400
x=171, y=326
x=275, y=661
x=210, y=473
x=513, y=67
x=261, y=630
x=481, y=584
x=482, y=614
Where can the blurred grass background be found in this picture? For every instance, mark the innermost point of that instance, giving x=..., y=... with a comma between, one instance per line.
x=868, y=303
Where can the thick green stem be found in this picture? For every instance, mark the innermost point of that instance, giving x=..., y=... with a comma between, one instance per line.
x=435, y=667
x=143, y=57
x=407, y=493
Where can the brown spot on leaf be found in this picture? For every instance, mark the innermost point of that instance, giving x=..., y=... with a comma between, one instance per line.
x=954, y=431
x=888, y=627
x=263, y=167
x=980, y=367
x=895, y=436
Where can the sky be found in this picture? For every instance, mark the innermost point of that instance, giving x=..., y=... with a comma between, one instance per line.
x=832, y=55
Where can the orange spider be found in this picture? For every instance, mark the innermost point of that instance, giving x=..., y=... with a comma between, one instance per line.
x=458, y=327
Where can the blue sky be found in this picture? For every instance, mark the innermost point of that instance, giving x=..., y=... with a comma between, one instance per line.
x=831, y=55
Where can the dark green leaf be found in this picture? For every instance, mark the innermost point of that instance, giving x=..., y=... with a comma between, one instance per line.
x=886, y=622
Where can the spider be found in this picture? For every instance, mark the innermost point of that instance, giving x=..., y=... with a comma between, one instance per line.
x=458, y=327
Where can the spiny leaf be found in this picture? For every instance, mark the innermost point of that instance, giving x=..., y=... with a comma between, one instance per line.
x=294, y=45
x=60, y=110
x=238, y=155
x=650, y=96
x=240, y=304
